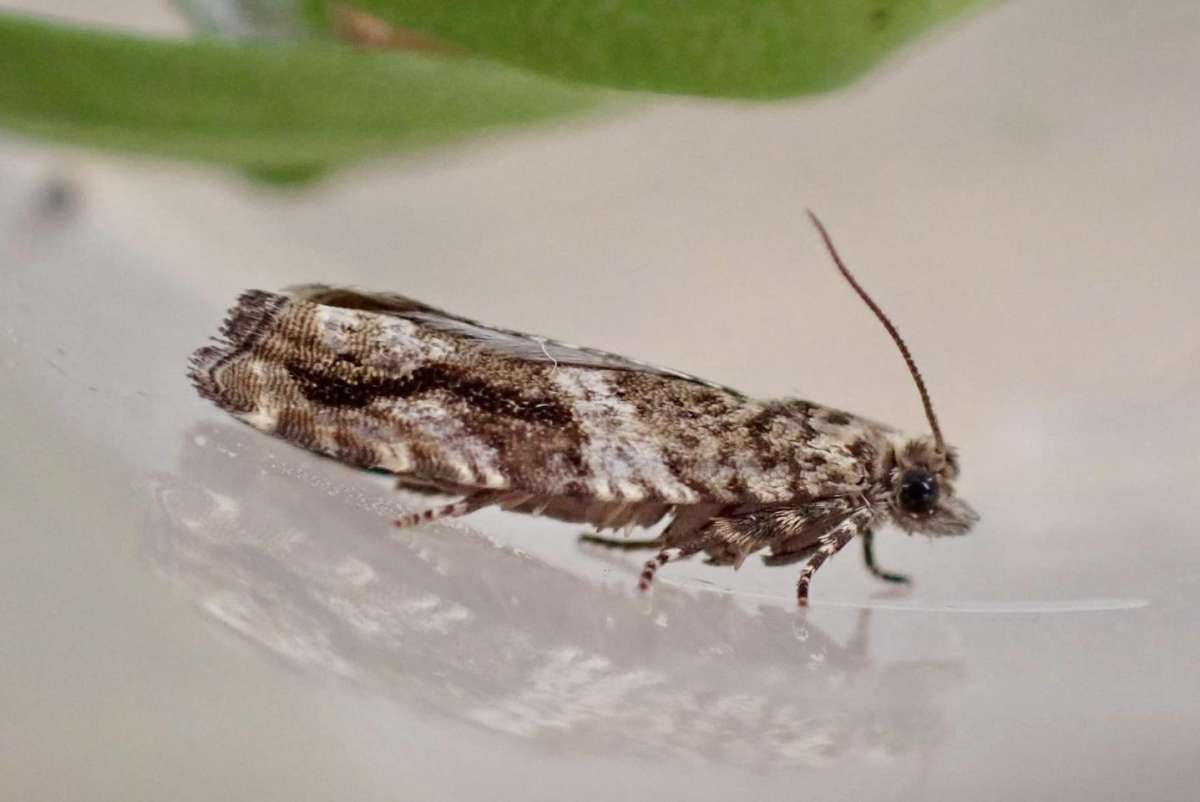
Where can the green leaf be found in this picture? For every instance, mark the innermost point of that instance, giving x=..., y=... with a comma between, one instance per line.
x=730, y=48
x=253, y=19
x=281, y=110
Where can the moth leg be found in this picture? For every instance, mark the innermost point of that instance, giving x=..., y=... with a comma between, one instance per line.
x=669, y=555
x=460, y=507
x=869, y=558
x=828, y=548
x=463, y=506
x=829, y=545
x=620, y=543
x=652, y=566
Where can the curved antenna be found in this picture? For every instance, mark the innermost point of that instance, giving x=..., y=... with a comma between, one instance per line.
x=887, y=324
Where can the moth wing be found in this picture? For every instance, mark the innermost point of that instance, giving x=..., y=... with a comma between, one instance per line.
x=449, y=405
x=503, y=342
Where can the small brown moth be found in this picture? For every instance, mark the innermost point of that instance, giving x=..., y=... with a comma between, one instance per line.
x=528, y=424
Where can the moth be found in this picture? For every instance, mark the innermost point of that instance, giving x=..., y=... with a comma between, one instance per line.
x=497, y=418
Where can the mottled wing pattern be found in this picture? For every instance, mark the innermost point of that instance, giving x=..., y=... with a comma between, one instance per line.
x=512, y=344
x=384, y=382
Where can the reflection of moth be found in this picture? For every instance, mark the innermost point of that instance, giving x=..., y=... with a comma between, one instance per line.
x=532, y=425
x=288, y=557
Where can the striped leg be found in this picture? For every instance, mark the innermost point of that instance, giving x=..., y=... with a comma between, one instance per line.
x=670, y=555
x=652, y=566
x=463, y=506
x=830, y=544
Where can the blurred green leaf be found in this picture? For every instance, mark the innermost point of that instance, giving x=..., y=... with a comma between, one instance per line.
x=731, y=48
x=254, y=19
x=280, y=110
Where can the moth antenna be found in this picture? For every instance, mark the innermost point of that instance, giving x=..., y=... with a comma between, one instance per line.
x=891, y=329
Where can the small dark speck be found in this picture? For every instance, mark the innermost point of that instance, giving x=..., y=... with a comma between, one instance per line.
x=58, y=197
x=880, y=18
x=57, y=368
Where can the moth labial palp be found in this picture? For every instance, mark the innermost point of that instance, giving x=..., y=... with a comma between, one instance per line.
x=531, y=425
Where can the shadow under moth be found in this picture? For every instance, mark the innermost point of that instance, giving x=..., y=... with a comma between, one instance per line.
x=498, y=418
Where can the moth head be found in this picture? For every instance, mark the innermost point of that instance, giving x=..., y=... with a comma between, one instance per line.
x=922, y=482
x=922, y=476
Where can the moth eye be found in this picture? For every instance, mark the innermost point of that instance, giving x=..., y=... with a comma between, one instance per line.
x=919, y=493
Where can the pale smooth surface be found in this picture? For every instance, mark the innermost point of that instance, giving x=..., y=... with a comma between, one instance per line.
x=192, y=610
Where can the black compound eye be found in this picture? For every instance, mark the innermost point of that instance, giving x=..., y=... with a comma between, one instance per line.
x=919, y=493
